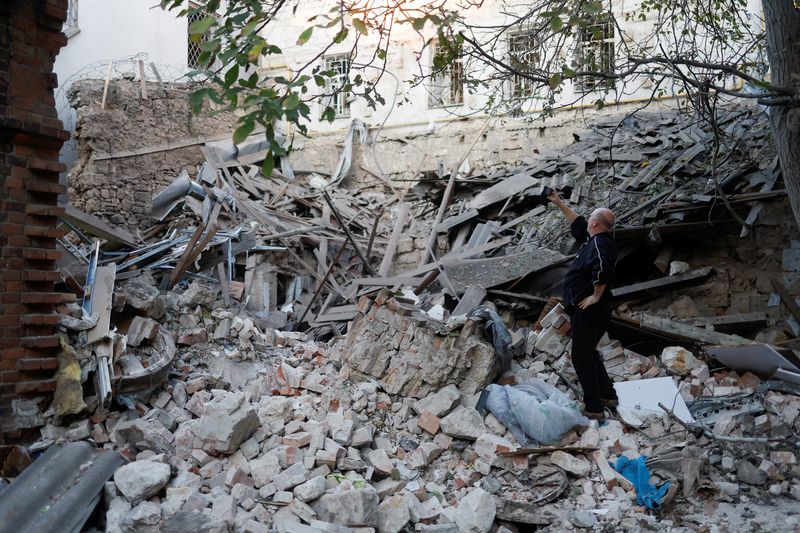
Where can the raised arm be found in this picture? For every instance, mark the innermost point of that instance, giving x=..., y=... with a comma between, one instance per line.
x=558, y=202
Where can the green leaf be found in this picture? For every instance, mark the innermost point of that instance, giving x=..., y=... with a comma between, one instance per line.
x=341, y=36
x=554, y=81
x=243, y=131
x=419, y=23
x=268, y=165
x=232, y=75
x=381, y=54
x=210, y=46
x=360, y=26
x=319, y=80
x=329, y=114
x=291, y=101
x=199, y=27
x=205, y=58
x=556, y=23
x=593, y=8
x=305, y=36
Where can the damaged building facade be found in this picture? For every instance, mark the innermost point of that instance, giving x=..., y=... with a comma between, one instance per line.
x=330, y=348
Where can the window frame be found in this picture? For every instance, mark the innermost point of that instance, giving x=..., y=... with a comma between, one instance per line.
x=520, y=87
x=452, y=82
x=71, y=27
x=336, y=97
x=602, y=46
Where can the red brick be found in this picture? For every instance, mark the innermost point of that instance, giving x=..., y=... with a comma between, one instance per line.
x=41, y=363
x=27, y=387
x=9, y=376
x=50, y=319
x=41, y=254
x=42, y=341
x=41, y=298
x=37, y=163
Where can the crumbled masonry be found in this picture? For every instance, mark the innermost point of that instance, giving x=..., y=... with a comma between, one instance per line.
x=263, y=383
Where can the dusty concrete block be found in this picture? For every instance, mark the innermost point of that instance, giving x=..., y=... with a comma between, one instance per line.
x=347, y=505
x=439, y=403
x=144, y=518
x=227, y=421
x=463, y=423
x=310, y=490
x=571, y=463
x=141, y=480
x=393, y=514
x=476, y=512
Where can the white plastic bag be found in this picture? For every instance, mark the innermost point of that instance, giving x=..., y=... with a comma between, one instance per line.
x=534, y=412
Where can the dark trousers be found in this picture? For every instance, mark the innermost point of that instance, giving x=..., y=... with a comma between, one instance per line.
x=588, y=327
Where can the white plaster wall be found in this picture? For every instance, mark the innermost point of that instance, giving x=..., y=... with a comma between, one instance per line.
x=413, y=114
x=117, y=30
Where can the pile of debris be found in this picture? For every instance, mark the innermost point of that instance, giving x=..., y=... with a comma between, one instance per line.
x=441, y=397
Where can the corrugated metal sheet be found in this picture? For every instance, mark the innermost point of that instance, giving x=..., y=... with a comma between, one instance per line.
x=59, y=491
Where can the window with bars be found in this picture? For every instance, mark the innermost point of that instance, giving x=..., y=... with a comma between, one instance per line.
x=523, y=55
x=446, y=85
x=71, y=24
x=595, y=52
x=338, y=98
x=194, y=50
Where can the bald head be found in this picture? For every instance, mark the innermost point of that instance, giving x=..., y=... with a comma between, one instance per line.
x=601, y=220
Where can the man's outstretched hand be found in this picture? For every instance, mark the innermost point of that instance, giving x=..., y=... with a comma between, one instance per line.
x=554, y=197
x=589, y=300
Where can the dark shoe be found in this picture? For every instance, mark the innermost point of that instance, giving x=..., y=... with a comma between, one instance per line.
x=611, y=404
x=595, y=415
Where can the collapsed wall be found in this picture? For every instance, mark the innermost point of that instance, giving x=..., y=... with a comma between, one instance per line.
x=135, y=146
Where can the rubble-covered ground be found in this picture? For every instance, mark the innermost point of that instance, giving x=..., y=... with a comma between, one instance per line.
x=266, y=430
x=379, y=415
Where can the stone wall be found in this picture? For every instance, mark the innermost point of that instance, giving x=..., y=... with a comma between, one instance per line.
x=119, y=189
x=30, y=138
x=413, y=355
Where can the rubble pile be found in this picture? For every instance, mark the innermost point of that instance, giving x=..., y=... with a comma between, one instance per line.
x=263, y=364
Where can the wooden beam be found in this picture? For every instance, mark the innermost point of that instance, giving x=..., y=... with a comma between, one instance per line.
x=94, y=226
x=102, y=294
x=391, y=248
x=660, y=283
x=688, y=332
x=787, y=298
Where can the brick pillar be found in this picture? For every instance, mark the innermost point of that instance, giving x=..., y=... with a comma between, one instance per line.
x=30, y=138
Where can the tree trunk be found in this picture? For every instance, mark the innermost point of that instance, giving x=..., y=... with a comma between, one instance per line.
x=782, y=21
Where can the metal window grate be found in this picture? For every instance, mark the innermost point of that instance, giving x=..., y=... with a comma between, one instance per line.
x=339, y=99
x=524, y=55
x=71, y=24
x=447, y=85
x=595, y=52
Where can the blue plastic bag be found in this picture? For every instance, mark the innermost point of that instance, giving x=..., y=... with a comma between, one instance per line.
x=635, y=471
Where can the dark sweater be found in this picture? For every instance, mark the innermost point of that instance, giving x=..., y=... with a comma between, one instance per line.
x=593, y=266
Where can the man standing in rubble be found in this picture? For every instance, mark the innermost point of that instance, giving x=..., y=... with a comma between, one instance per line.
x=587, y=300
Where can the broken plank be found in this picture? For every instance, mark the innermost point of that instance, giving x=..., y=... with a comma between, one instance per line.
x=473, y=297
x=518, y=296
x=102, y=294
x=493, y=271
x=742, y=319
x=452, y=256
x=503, y=190
x=658, y=283
x=454, y=221
x=223, y=283
x=521, y=452
x=538, y=210
x=688, y=332
x=389, y=282
x=391, y=248
x=787, y=298
x=94, y=226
